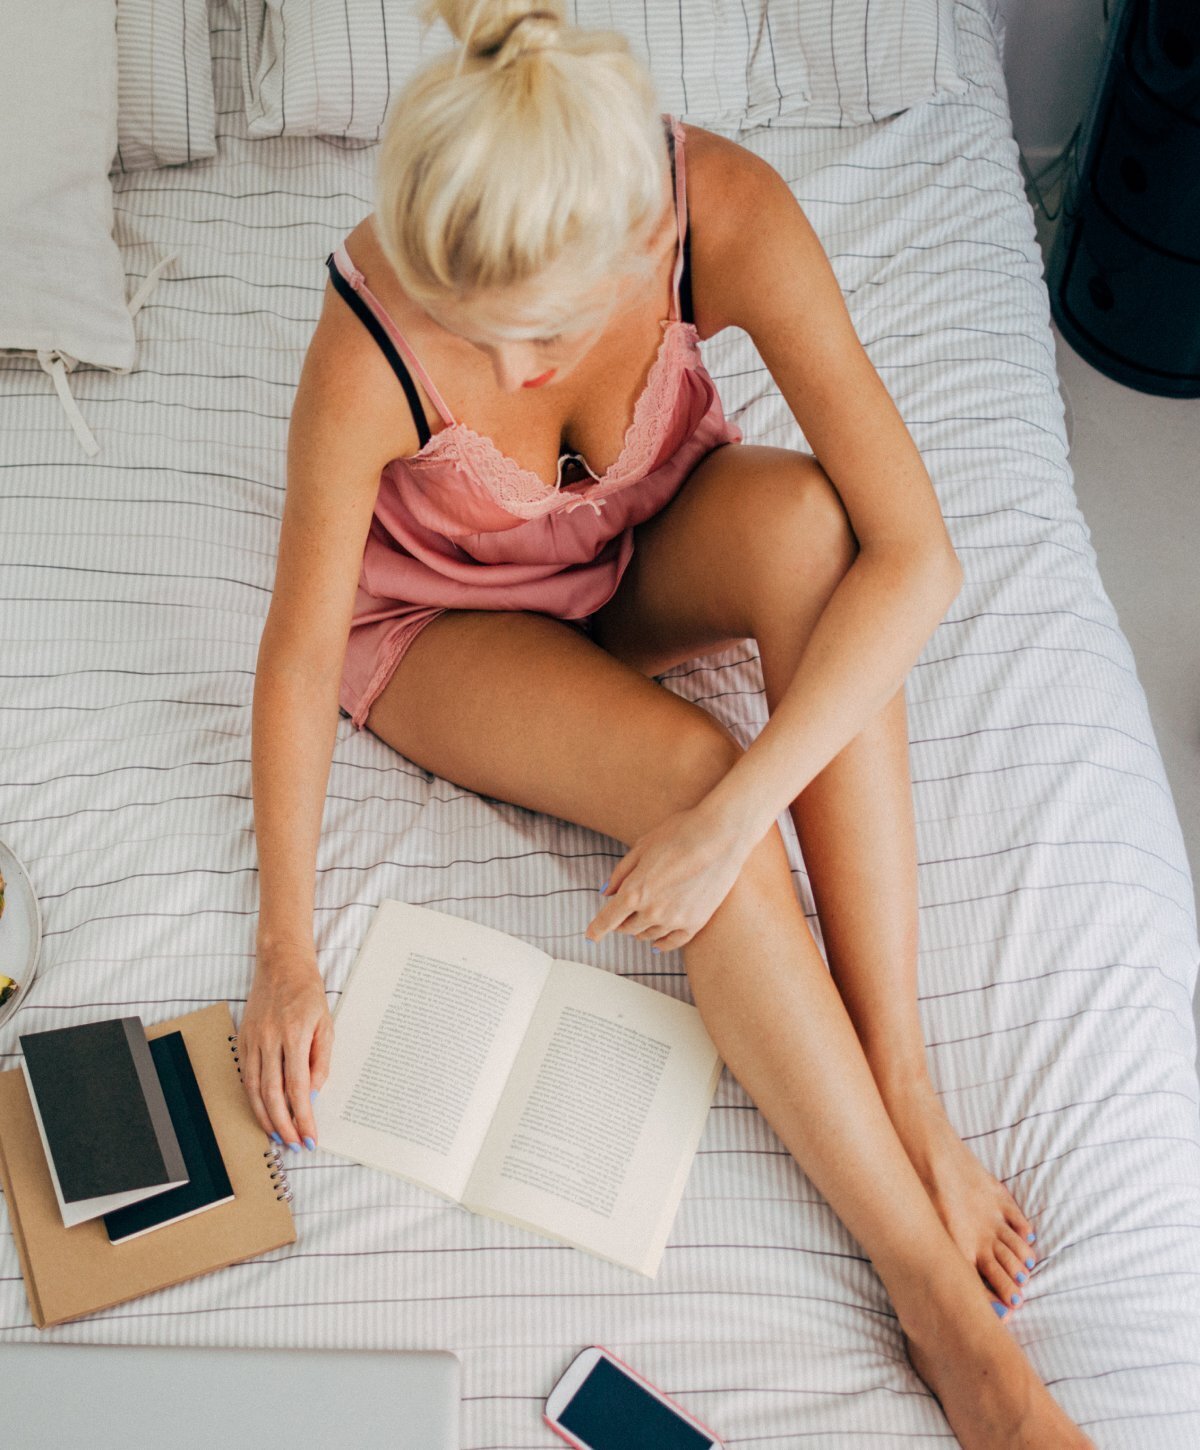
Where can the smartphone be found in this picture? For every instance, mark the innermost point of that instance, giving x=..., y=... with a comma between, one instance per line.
x=602, y=1404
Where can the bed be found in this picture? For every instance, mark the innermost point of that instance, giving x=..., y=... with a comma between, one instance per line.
x=1057, y=913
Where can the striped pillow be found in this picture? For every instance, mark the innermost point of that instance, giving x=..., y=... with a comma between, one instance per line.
x=863, y=60
x=330, y=67
x=165, y=110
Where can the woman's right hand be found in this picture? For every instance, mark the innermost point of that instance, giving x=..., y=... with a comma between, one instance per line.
x=285, y=1042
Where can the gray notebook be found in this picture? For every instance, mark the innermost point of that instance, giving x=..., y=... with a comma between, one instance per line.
x=131, y=1397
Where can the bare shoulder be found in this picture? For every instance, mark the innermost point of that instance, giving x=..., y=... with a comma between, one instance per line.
x=346, y=372
x=732, y=194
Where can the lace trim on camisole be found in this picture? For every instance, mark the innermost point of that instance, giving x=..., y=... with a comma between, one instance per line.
x=522, y=491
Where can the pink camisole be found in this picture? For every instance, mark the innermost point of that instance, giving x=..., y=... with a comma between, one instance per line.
x=461, y=525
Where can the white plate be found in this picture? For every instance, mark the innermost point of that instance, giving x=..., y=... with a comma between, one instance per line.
x=20, y=930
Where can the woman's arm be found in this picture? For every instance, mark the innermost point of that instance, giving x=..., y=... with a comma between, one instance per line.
x=777, y=284
x=338, y=441
x=294, y=727
x=344, y=427
x=866, y=641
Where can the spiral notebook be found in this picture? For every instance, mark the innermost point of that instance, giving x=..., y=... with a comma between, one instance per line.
x=70, y=1272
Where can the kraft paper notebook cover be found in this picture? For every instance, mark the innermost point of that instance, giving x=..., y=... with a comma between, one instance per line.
x=70, y=1272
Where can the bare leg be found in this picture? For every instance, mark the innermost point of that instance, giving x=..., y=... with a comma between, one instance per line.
x=857, y=834
x=778, y=1021
x=756, y=545
x=522, y=708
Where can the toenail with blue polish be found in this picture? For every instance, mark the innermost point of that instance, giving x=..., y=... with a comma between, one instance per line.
x=1029, y=1263
x=1001, y=1311
x=309, y=1144
x=277, y=1138
x=1020, y=1277
x=1030, y=1238
x=1016, y=1299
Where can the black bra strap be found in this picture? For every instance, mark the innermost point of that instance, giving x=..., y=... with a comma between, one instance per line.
x=375, y=328
x=685, y=275
x=685, y=280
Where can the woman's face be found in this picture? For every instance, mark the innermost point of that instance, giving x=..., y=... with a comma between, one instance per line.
x=544, y=360
x=535, y=361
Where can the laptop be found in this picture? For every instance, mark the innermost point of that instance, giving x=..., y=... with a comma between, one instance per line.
x=151, y=1397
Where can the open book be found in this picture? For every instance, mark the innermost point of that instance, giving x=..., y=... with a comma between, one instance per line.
x=551, y=1095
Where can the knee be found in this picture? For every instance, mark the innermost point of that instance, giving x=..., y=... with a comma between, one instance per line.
x=826, y=515
x=699, y=755
x=811, y=543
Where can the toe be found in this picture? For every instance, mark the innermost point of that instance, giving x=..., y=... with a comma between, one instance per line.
x=1013, y=1266
x=1016, y=1217
x=1023, y=1252
x=998, y=1279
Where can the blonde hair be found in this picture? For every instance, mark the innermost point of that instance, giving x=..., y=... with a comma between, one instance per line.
x=535, y=150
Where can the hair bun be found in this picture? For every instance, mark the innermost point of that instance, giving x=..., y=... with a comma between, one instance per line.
x=540, y=35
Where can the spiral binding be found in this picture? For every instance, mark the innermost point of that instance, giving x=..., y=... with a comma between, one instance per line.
x=278, y=1171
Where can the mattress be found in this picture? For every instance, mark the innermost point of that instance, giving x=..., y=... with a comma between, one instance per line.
x=1058, y=949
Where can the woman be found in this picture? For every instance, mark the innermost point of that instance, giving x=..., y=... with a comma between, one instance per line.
x=505, y=567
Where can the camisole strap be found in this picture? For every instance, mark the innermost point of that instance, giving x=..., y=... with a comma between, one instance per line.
x=375, y=328
x=340, y=259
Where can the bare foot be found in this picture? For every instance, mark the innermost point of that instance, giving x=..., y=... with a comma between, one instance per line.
x=990, y=1393
x=980, y=1214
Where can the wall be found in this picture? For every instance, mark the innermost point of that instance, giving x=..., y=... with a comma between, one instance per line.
x=1052, y=54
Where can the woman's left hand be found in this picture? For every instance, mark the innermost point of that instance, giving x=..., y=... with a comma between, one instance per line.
x=672, y=879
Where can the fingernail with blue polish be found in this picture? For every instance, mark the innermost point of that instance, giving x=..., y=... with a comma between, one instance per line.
x=295, y=1147
x=313, y=1094
x=1029, y=1263
x=1030, y=1238
x=656, y=951
x=605, y=887
x=1000, y=1309
x=1021, y=1277
x=1016, y=1299
x=277, y=1139
x=309, y=1144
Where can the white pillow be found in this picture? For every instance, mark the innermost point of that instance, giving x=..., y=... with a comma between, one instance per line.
x=62, y=293
x=329, y=67
x=64, y=282
x=165, y=110
x=861, y=60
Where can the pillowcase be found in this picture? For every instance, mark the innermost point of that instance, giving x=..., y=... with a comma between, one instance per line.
x=62, y=290
x=697, y=51
x=861, y=60
x=330, y=67
x=63, y=281
x=165, y=109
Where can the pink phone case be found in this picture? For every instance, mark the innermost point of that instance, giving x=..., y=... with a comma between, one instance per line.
x=687, y=1414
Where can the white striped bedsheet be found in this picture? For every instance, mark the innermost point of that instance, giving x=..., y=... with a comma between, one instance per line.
x=1058, y=928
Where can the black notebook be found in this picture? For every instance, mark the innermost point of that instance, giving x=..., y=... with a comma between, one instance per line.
x=104, y=1122
x=208, y=1183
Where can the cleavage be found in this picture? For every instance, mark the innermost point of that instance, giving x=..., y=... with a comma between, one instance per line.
x=573, y=471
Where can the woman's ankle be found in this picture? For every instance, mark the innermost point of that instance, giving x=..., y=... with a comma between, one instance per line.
x=902, y=1078
x=939, y=1296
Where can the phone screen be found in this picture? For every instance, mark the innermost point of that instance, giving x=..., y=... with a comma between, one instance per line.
x=610, y=1411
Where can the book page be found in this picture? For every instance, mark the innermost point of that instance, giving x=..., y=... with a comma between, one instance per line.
x=601, y=1117
x=426, y=1032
